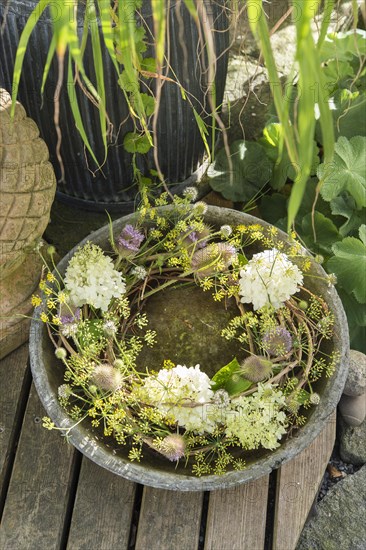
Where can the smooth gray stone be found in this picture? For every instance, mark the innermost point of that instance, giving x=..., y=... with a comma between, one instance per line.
x=339, y=523
x=353, y=409
x=353, y=443
x=356, y=379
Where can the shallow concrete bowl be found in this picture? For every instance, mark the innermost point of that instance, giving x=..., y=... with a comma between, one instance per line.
x=48, y=375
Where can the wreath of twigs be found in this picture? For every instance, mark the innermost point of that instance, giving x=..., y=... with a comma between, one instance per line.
x=124, y=414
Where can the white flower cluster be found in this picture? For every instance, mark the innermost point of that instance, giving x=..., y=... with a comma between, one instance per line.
x=258, y=419
x=91, y=278
x=183, y=394
x=269, y=278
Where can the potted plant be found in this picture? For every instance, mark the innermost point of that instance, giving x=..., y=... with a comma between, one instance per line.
x=189, y=347
x=126, y=94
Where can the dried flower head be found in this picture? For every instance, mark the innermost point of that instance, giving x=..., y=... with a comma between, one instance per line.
x=109, y=328
x=129, y=240
x=204, y=261
x=256, y=368
x=64, y=391
x=277, y=341
x=173, y=447
x=198, y=238
x=200, y=208
x=190, y=193
x=107, y=378
x=61, y=353
x=314, y=399
x=226, y=230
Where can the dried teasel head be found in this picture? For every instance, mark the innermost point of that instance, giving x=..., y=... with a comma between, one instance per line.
x=256, y=368
x=106, y=377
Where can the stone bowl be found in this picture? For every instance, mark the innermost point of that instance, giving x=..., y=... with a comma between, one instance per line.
x=154, y=470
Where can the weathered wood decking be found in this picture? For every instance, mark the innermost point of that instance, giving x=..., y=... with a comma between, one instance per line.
x=53, y=498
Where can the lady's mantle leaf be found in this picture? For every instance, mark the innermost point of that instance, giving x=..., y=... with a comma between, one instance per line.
x=346, y=172
x=349, y=265
x=251, y=170
x=228, y=378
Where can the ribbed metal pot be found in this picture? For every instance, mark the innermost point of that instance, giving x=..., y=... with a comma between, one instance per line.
x=158, y=472
x=181, y=149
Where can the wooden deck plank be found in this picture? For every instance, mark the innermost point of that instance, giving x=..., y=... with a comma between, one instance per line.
x=36, y=502
x=297, y=485
x=12, y=373
x=102, y=511
x=237, y=517
x=169, y=520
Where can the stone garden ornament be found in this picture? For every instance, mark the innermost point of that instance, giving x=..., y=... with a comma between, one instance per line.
x=27, y=189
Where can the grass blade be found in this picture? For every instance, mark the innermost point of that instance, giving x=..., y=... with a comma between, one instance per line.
x=22, y=47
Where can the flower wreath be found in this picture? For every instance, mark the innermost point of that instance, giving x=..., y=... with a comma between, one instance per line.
x=95, y=318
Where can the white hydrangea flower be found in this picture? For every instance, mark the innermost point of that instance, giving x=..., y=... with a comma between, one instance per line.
x=91, y=279
x=258, y=420
x=173, y=388
x=269, y=278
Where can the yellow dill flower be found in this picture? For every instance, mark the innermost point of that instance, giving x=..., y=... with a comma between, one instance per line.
x=168, y=364
x=242, y=228
x=306, y=265
x=56, y=320
x=50, y=277
x=51, y=303
x=44, y=317
x=62, y=297
x=36, y=300
x=47, y=291
x=42, y=284
x=257, y=235
x=156, y=233
x=255, y=227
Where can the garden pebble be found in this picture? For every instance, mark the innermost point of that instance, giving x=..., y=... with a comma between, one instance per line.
x=352, y=442
x=336, y=524
x=356, y=380
x=353, y=409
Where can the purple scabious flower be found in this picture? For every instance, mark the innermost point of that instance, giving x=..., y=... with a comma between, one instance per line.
x=69, y=315
x=277, y=341
x=129, y=240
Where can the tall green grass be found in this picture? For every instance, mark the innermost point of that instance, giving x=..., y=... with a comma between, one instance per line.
x=299, y=129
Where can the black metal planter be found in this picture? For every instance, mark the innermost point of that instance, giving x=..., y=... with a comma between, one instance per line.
x=181, y=149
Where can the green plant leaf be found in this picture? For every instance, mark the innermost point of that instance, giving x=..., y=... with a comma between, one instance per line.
x=273, y=208
x=148, y=102
x=222, y=375
x=349, y=265
x=344, y=46
x=148, y=64
x=228, y=378
x=344, y=205
x=356, y=317
x=320, y=235
x=346, y=172
x=136, y=143
x=22, y=47
x=251, y=170
x=362, y=233
x=272, y=141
